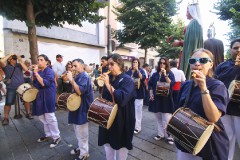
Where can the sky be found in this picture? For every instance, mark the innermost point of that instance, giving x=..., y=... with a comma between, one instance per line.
x=221, y=27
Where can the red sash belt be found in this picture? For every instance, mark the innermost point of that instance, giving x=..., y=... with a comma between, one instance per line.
x=177, y=86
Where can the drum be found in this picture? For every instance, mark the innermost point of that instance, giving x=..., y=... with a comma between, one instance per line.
x=190, y=130
x=102, y=112
x=100, y=82
x=27, y=92
x=71, y=101
x=234, y=91
x=136, y=82
x=162, y=89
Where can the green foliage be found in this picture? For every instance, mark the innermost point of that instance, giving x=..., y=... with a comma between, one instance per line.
x=146, y=22
x=230, y=10
x=53, y=12
x=165, y=48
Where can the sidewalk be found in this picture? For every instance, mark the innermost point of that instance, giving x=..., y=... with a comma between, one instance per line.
x=18, y=140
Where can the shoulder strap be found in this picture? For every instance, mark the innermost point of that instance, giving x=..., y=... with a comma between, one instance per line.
x=188, y=93
x=12, y=72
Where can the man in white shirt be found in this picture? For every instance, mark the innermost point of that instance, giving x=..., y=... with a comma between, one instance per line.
x=179, y=78
x=59, y=69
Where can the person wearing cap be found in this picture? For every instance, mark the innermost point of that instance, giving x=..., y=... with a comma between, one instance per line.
x=13, y=71
x=59, y=69
x=82, y=86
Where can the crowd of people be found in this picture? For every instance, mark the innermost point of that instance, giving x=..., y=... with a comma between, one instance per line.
x=200, y=85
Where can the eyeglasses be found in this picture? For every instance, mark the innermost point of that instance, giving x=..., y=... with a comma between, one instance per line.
x=236, y=48
x=111, y=63
x=200, y=60
x=163, y=63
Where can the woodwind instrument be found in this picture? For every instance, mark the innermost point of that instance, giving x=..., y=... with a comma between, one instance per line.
x=100, y=82
x=64, y=77
x=100, y=76
x=237, y=60
x=193, y=75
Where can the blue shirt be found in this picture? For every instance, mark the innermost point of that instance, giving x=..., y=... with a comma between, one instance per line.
x=46, y=97
x=79, y=116
x=17, y=77
x=161, y=103
x=219, y=95
x=227, y=72
x=141, y=90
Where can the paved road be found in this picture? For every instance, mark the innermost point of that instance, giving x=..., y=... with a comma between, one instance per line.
x=18, y=141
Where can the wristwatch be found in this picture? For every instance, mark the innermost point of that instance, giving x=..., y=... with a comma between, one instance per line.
x=205, y=92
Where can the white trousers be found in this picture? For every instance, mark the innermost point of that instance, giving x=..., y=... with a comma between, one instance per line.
x=138, y=113
x=112, y=154
x=186, y=156
x=50, y=124
x=162, y=120
x=232, y=127
x=81, y=132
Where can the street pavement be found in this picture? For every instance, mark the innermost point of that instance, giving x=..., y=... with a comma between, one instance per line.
x=18, y=140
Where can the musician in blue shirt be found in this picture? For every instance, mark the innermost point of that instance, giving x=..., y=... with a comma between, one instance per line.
x=162, y=106
x=137, y=73
x=208, y=98
x=227, y=72
x=82, y=86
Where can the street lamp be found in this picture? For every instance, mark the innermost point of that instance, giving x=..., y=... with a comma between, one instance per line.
x=109, y=44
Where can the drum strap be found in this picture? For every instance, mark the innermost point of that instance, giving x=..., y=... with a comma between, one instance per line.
x=111, y=92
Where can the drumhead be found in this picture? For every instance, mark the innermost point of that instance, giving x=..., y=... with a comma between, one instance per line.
x=100, y=82
x=30, y=95
x=203, y=139
x=112, y=116
x=22, y=88
x=73, y=102
x=231, y=88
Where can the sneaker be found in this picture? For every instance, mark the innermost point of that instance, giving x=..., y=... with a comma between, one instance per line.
x=75, y=151
x=55, y=142
x=170, y=141
x=29, y=116
x=136, y=131
x=5, y=121
x=158, y=137
x=43, y=139
x=85, y=157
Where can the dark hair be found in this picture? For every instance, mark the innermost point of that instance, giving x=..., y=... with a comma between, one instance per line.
x=145, y=65
x=234, y=41
x=104, y=58
x=44, y=57
x=118, y=59
x=173, y=63
x=68, y=65
x=136, y=59
x=217, y=49
x=167, y=64
x=78, y=60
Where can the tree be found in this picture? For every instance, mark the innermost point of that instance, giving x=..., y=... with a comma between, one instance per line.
x=230, y=10
x=165, y=48
x=146, y=22
x=48, y=13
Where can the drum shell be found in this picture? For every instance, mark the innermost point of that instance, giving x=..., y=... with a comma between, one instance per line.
x=27, y=92
x=189, y=130
x=162, y=89
x=70, y=101
x=102, y=112
x=234, y=91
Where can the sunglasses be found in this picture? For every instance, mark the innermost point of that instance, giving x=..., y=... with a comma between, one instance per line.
x=163, y=63
x=111, y=63
x=200, y=60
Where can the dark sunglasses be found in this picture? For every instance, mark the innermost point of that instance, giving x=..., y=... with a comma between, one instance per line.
x=200, y=60
x=111, y=63
x=163, y=63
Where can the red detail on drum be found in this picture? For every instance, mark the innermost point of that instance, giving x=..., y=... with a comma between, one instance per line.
x=176, y=86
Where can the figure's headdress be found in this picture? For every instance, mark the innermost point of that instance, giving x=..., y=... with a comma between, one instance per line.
x=194, y=10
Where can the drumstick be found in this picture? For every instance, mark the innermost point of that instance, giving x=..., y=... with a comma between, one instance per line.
x=100, y=76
